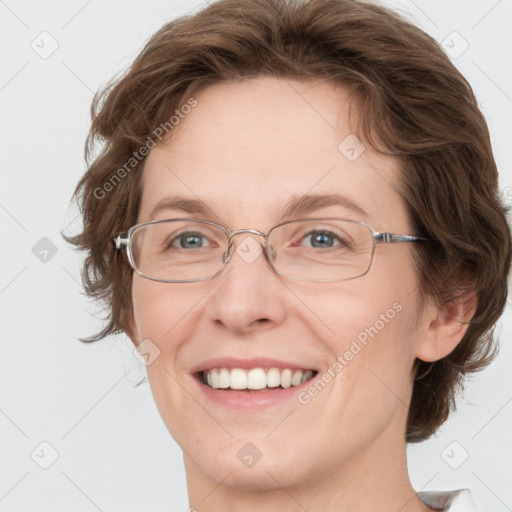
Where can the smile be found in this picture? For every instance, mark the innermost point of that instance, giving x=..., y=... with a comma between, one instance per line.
x=255, y=379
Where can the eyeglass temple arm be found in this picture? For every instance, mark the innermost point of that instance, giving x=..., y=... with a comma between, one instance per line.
x=391, y=238
x=121, y=242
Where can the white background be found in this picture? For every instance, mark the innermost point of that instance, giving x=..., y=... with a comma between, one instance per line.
x=114, y=452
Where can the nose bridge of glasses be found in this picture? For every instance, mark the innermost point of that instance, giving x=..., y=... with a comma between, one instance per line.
x=232, y=234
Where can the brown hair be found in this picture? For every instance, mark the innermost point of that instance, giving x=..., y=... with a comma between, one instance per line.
x=415, y=106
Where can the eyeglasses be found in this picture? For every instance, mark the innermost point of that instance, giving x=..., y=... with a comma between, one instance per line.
x=187, y=250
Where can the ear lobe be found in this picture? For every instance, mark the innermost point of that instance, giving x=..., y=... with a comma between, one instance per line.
x=445, y=326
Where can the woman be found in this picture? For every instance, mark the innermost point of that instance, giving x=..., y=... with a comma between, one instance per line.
x=295, y=219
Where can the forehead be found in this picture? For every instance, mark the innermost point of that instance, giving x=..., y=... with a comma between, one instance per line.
x=249, y=149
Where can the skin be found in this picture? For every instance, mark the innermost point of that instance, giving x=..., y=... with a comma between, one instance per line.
x=246, y=149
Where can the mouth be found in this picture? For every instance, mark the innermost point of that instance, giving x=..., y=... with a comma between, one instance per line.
x=254, y=380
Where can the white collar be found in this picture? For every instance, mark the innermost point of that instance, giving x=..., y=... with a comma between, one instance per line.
x=449, y=501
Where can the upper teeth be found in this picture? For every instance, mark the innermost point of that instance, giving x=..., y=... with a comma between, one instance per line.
x=256, y=378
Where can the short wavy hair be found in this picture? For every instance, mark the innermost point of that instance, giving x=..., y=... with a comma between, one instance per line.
x=414, y=105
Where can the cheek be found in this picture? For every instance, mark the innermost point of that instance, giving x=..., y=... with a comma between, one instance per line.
x=372, y=357
x=375, y=337
x=369, y=326
x=160, y=311
x=367, y=385
x=162, y=315
x=167, y=315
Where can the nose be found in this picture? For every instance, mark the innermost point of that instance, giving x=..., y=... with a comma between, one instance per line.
x=248, y=295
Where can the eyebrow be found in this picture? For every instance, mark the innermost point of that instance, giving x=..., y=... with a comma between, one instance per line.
x=179, y=203
x=311, y=202
x=302, y=205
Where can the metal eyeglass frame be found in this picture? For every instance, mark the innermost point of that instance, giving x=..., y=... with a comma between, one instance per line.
x=122, y=241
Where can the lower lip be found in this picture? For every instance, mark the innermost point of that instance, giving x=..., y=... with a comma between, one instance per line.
x=251, y=399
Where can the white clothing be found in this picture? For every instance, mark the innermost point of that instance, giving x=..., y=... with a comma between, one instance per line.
x=449, y=501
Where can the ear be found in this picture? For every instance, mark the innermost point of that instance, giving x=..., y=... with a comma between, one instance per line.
x=444, y=327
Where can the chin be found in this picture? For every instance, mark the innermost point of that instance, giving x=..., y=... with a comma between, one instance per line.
x=250, y=465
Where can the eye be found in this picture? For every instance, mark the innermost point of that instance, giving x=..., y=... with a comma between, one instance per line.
x=188, y=240
x=323, y=239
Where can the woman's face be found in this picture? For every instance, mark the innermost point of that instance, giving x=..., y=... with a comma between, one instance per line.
x=247, y=150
